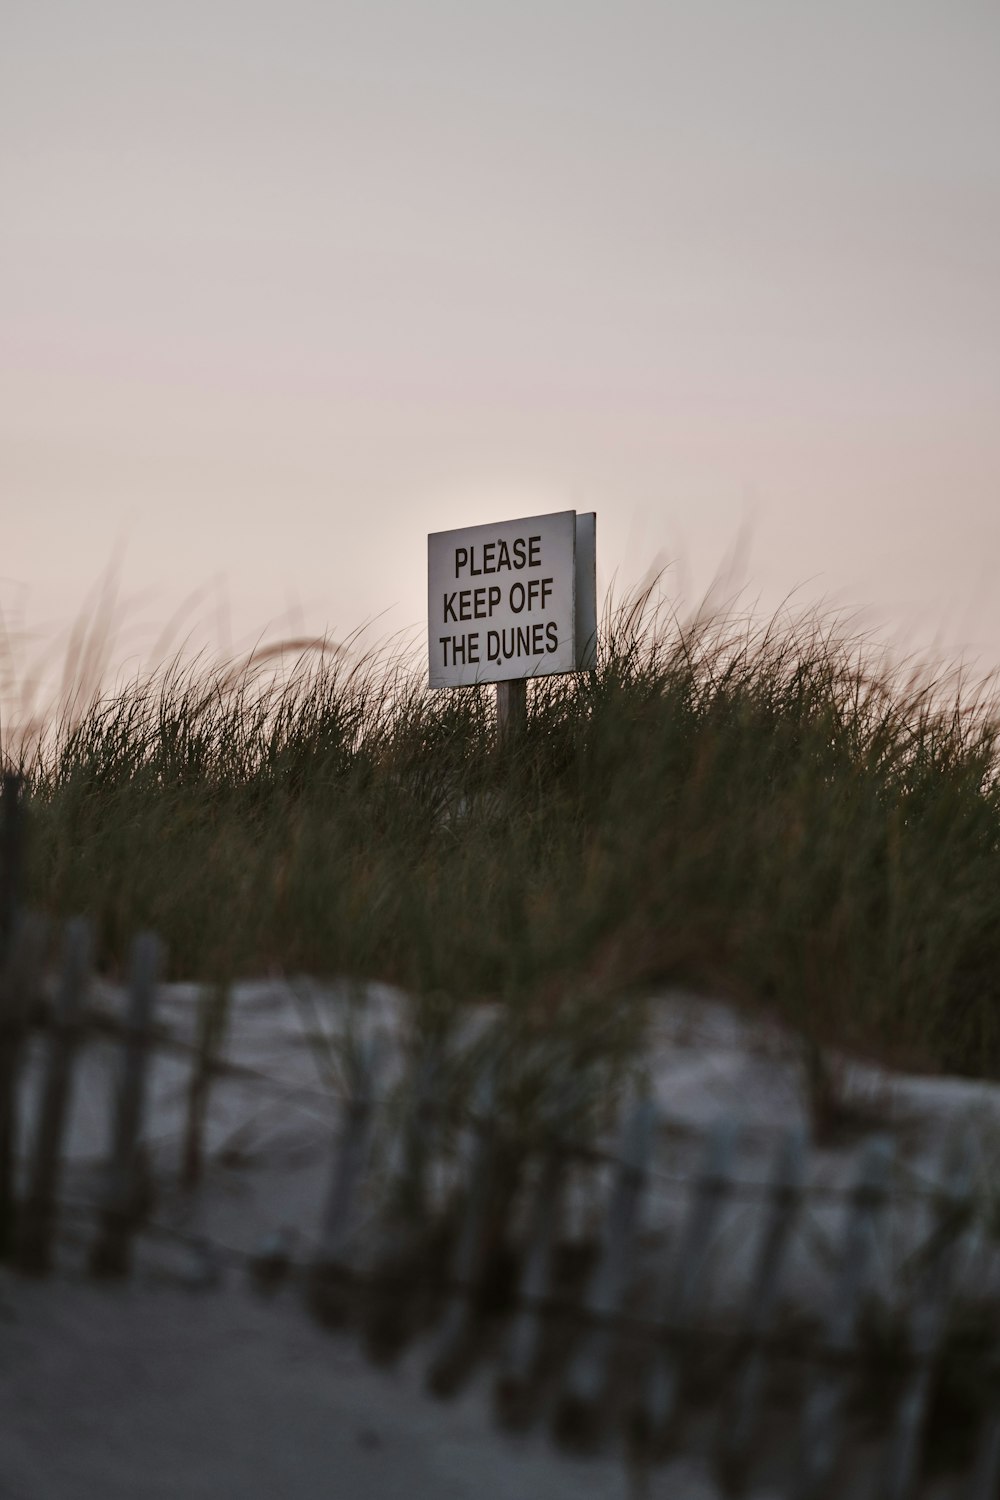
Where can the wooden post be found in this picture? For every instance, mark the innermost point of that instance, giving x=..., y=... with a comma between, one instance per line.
x=34, y=1239
x=449, y=1357
x=330, y=1289
x=985, y=1482
x=512, y=709
x=654, y=1408
x=18, y=988
x=741, y=1414
x=822, y=1421
x=404, y=1247
x=512, y=1388
x=577, y=1414
x=929, y=1317
x=212, y=1021
x=110, y=1254
x=11, y=850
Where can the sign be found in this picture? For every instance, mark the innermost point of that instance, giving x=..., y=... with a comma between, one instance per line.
x=518, y=599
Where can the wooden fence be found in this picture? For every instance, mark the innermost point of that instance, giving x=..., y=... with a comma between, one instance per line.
x=606, y=1336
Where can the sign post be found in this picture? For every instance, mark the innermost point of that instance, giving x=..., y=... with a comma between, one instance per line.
x=512, y=708
x=510, y=601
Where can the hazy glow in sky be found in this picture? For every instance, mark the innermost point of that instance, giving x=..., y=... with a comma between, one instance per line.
x=286, y=286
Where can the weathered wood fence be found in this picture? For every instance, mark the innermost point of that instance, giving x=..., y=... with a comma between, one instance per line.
x=606, y=1336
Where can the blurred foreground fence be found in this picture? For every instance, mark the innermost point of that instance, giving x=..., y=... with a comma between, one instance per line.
x=616, y=1332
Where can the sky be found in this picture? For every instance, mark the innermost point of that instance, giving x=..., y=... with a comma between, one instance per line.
x=284, y=287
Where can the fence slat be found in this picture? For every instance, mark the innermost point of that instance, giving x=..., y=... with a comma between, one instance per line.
x=577, y=1411
x=985, y=1481
x=653, y=1411
x=449, y=1356
x=11, y=855
x=741, y=1414
x=111, y=1251
x=333, y=1269
x=519, y=1362
x=822, y=1420
x=37, y=1219
x=402, y=1250
x=18, y=991
x=928, y=1319
x=212, y=1026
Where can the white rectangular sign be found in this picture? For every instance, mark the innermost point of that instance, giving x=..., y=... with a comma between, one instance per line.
x=502, y=600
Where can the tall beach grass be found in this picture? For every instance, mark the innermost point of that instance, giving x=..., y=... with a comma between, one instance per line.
x=771, y=809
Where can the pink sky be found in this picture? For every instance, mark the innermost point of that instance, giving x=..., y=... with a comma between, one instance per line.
x=285, y=287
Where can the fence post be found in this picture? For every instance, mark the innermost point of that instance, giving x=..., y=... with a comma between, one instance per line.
x=519, y=1362
x=11, y=854
x=930, y=1310
x=820, y=1432
x=985, y=1481
x=449, y=1357
x=18, y=989
x=11, y=994
x=656, y=1404
x=512, y=709
x=212, y=1021
x=110, y=1253
x=742, y=1412
x=401, y=1255
x=332, y=1271
x=578, y=1408
x=34, y=1238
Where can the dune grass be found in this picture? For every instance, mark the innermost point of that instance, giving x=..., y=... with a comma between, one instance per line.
x=771, y=810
